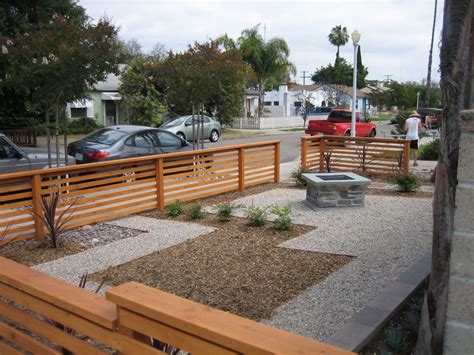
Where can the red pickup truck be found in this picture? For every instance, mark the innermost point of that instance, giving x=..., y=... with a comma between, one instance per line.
x=338, y=123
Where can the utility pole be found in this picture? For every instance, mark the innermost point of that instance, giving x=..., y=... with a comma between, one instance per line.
x=387, y=77
x=304, y=77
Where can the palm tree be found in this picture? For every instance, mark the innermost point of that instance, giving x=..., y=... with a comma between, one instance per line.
x=269, y=60
x=338, y=37
x=430, y=58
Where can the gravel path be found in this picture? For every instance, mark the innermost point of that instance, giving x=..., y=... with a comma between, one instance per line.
x=155, y=235
x=387, y=236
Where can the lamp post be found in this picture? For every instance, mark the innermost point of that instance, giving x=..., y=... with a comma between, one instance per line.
x=355, y=40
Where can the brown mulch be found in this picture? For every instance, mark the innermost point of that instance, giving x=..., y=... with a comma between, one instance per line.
x=237, y=268
x=33, y=252
x=414, y=194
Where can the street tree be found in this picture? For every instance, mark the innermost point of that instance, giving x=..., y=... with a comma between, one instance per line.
x=60, y=62
x=269, y=60
x=338, y=37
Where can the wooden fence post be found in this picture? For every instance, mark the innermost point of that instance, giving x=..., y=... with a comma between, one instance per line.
x=241, y=169
x=160, y=193
x=406, y=157
x=36, y=204
x=277, y=163
x=304, y=152
x=321, y=155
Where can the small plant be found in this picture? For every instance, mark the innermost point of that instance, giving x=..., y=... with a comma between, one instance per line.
x=429, y=151
x=283, y=221
x=54, y=223
x=224, y=211
x=396, y=339
x=297, y=175
x=176, y=209
x=407, y=183
x=257, y=216
x=413, y=320
x=196, y=212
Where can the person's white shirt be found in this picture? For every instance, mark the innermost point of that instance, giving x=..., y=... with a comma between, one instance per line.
x=412, y=125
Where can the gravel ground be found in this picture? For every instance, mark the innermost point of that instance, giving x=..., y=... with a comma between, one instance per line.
x=386, y=236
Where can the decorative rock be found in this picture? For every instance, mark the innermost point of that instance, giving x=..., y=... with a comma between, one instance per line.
x=87, y=227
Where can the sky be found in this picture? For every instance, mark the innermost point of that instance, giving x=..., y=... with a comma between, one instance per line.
x=395, y=34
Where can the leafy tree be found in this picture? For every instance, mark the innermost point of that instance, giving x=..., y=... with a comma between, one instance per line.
x=140, y=94
x=158, y=52
x=338, y=37
x=60, y=62
x=269, y=60
x=362, y=71
x=340, y=74
x=132, y=50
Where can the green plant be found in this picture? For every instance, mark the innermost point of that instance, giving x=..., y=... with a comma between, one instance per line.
x=82, y=125
x=224, y=211
x=297, y=175
x=283, y=221
x=401, y=118
x=257, y=216
x=407, y=183
x=54, y=220
x=176, y=209
x=413, y=321
x=195, y=211
x=396, y=339
x=429, y=151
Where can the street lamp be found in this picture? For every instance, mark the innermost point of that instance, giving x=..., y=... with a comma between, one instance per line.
x=355, y=40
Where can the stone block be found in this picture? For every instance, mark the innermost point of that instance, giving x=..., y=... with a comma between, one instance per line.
x=358, y=202
x=461, y=255
x=461, y=300
x=344, y=203
x=466, y=158
x=463, y=214
x=459, y=339
x=467, y=120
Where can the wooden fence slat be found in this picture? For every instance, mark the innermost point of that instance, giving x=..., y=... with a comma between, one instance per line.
x=6, y=349
x=24, y=341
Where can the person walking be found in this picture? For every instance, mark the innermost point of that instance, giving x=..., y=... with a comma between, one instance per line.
x=413, y=127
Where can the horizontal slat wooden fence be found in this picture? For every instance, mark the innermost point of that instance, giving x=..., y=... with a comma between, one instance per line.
x=25, y=137
x=106, y=190
x=44, y=315
x=374, y=156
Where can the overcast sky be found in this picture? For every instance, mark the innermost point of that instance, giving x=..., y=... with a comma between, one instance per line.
x=395, y=33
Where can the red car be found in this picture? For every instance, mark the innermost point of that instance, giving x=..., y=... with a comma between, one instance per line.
x=338, y=123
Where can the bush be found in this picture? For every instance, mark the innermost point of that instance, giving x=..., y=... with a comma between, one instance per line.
x=407, y=183
x=297, y=175
x=429, y=151
x=196, y=212
x=283, y=221
x=224, y=211
x=175, y=209
x=257, y=216
x=19, y=122
x=401, y=118
x=84, y=125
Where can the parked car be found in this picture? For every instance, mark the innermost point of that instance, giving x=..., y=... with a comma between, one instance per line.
x=125, y=141
x=183, y=127
x=14, y=159
x=430, y=117
x=338, y=123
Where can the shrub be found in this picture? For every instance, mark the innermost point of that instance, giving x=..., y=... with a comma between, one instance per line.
x=196, y=212
x=84, y=125
x=176, y=209
x=396, y=339
x=257, y=216
x=297, y=175
x=224, y=211
x=283, y=221
x=407, y=183
x=429, y=151
x=401, y=118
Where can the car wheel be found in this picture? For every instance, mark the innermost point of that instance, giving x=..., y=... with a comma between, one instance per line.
x=347, y=134
x=214, y=136
x=181, y=135
x=373, y=133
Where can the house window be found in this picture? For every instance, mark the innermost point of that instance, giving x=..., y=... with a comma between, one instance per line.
x=268, y=103
x=357, y=103
x=78, y=112
x=297, y=103
x=276, y=103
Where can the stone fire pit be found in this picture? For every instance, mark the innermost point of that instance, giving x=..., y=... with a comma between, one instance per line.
x=335, y=189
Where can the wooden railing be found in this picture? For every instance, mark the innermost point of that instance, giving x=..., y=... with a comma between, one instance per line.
x=102, y=191
x=44, y=315
x=25, y=137
x=374, y=156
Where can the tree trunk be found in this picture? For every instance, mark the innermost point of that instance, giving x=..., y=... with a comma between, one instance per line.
x=48, y=138
x=430, y=58
x=454, y=61
x=58, y=151
x=65, y=137
x=261, y=97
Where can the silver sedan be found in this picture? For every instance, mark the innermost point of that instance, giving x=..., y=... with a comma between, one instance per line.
x=183, y=127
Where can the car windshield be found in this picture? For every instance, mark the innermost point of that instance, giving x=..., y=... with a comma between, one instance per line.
x=105, y=136
x=176, y=122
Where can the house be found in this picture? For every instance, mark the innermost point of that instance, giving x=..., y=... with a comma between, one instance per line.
x=102, y=104
x=287, y=100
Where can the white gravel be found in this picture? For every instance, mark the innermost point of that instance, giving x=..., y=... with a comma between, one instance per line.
x=156, y=235
x=386, y=237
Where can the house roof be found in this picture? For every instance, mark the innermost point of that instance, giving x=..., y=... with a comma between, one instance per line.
x=112, y=82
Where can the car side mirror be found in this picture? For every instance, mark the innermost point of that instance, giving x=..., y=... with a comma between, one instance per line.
x=19, y=155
